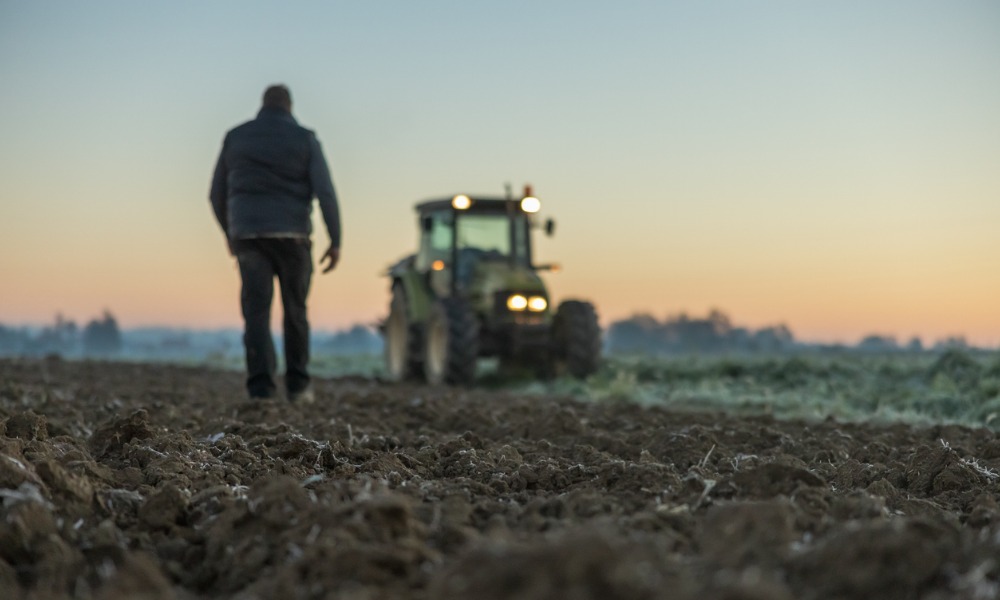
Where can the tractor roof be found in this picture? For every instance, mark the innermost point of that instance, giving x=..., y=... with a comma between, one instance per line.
x=479, y=204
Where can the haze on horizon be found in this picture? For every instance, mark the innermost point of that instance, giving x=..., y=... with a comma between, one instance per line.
x=828, y=166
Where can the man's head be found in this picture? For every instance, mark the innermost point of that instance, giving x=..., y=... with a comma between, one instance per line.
x=278, y=96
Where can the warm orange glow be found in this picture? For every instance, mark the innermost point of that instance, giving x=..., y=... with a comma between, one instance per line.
x=438, y=265
x=461, y=202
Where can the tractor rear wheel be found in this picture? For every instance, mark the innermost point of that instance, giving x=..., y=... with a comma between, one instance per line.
x=576, y=337
x=451, y=343
x=402, y=340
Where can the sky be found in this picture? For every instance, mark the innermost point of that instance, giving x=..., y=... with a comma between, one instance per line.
x=832, y=166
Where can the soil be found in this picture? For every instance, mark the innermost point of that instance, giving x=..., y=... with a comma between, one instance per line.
x=157, y=482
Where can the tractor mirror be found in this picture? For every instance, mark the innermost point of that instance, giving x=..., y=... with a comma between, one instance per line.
x=550, y=227
x=426, y=224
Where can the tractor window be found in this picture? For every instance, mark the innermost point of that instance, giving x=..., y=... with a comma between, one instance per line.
x=489, y=236
x=520, y=226
x=436, y=241
x=488, y=233
x=441, y=233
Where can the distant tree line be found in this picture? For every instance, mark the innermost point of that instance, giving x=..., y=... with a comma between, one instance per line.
x=882, y=344
x=103, y=337
x=639, y=334
x=99, y=337
x=644, y=334
x=715, y=333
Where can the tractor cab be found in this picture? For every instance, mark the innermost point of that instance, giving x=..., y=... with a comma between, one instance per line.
x=461, y=237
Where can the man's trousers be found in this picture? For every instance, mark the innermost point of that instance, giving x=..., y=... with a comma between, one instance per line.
x=261, y=260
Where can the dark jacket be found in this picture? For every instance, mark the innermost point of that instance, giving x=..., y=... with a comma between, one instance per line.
x=268, y=172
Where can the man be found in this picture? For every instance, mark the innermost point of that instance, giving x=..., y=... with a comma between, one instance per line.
x=268, y=173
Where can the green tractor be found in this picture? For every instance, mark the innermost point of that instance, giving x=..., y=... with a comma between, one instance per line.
x=472, y=291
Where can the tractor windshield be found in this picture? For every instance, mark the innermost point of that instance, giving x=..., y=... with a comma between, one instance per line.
x=454, y=243
x=493, y=237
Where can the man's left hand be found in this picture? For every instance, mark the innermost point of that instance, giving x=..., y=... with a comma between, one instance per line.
x=331, y=257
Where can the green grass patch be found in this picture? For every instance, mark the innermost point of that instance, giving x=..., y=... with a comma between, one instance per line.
x=954, y=387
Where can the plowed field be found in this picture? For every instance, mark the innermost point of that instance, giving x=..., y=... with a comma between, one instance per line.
x=125, y=480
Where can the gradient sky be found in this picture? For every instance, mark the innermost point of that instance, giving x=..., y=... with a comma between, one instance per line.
x=833, y=166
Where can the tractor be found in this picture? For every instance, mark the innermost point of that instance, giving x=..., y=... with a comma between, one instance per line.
x=472, y=290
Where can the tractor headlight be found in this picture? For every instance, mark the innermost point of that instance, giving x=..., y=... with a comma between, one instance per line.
x=530, y=204
x=461, y=202
x=517, y=302
x=537, y=304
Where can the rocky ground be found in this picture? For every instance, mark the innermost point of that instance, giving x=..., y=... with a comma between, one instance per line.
x=128, y=481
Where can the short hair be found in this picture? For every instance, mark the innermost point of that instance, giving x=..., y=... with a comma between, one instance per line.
x=278, y=96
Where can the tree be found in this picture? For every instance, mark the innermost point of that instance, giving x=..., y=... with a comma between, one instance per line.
x=102, y=336
x=58, y=338
x=682, y=333
x=640, y=333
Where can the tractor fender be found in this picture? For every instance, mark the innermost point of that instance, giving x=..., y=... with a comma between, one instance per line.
x=418, y=295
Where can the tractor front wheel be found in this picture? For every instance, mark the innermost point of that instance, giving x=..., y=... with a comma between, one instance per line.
x=576, y=337
x=402, y=340
x=451, y=343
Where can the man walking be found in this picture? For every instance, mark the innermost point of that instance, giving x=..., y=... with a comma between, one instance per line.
x=268, y=173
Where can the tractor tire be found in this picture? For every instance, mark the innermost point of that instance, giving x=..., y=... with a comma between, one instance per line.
x=403, y=358
x=576, y=338
x=451, y=343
